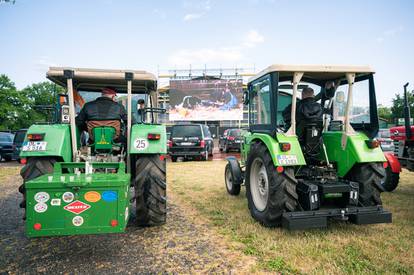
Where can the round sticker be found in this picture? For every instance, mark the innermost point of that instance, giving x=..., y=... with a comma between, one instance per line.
x=41, y=197
x=140, y=144
x=77, y=221
x=68, y=197
x=92, y=196
x=40, y=207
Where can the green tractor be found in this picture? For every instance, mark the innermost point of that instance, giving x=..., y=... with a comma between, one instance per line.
x=76, y=187
x=300, y=173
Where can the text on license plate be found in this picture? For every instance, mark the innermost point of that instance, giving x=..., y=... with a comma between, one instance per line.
x=187, y=143
x=287, y=159
x=34, y=146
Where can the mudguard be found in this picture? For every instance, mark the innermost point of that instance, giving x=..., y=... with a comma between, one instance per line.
x=235, y=169
x=141, y=144
x=393, y=162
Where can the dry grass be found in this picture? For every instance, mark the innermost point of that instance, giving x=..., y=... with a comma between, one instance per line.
x=342, y=248
x=8, y=171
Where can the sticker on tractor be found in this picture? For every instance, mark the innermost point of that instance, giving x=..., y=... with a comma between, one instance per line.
x=68, y=197
x=77, y=221
x=140, y=144
x=109, y=196
x=41, y=197
x=55, y=202
x=92, y=196
x=287, y=159
x=77, y=207
x=40, y=207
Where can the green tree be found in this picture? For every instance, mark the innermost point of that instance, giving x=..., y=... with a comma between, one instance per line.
x=385, y=113
x=397, y=108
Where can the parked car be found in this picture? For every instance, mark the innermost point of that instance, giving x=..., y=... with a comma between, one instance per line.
x=17, y=143
x=190, y=141
x=6, y=146
x=384, y=137
x=231, y=140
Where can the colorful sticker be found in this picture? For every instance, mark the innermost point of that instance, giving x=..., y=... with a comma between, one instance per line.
x=92, y=196
x=140, y=144
x=68, y=197
x=109, y=196
x=77, y=221
x=55, y=202
x=40, y=207
x=41, y=197
x=77, y=207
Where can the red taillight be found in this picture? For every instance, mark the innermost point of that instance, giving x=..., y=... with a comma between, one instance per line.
x=280, y=169
x=385, y=165
x=114, y=223
x=37, y=226
x=23, y=161
x=284, y=146
x=162, y=157
x=372, y=143
x=170, y=143
x=35, y=137
x=231, y=138
x=154, y=136
x=202, y=143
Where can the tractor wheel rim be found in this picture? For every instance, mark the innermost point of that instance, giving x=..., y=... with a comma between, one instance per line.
x=259, y=184
x=229, y=181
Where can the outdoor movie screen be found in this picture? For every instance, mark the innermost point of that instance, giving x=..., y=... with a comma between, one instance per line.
x=219, y=99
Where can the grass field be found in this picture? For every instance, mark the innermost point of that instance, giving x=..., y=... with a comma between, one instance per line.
x=342, y=248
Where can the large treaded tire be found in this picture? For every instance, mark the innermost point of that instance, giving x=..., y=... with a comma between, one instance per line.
x=35, y=167
x=390, y=182
x=369, y=176
x=282, y=189
x=150, y=190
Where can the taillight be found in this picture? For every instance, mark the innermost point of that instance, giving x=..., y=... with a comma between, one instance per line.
x=280, y=169
x=23, y=161
x=154, y=136
x=373, y=143
x=35, y=137
x=284, y=146
x=385, y=165
x=37, y=226
x=114, y=223
x=202, y=143
x=169, y=143
x=231, y=138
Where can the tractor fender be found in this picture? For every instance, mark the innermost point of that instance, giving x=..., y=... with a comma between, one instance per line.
x=235, y=169
x=393, y=162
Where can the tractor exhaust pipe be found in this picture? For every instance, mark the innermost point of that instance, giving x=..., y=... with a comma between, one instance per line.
x=407, y=115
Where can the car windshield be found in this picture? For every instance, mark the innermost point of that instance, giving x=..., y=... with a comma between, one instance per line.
x=235, y=133
x=186, y=131
x=4, y=137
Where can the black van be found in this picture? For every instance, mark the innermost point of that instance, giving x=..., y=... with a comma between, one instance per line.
x=190, y=141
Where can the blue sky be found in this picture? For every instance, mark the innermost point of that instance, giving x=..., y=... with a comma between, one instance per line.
x=173, y=34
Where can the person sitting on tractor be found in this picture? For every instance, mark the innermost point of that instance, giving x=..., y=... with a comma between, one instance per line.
x=141, y=110
x=103, y=111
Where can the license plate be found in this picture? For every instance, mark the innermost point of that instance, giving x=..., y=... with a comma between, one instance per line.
x=187, y=143
x=237, y=141
x=287, y=159
x=34, y=146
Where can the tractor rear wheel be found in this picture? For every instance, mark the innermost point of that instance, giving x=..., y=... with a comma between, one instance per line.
x=150, y=190
x=369, y=177
x=269, y=193
x=391, y=179
x=35, y=167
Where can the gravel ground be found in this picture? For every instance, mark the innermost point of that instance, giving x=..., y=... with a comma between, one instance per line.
x=183, y=245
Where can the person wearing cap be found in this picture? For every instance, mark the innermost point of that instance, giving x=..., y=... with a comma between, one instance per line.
x=141, y=110
x=103, y=111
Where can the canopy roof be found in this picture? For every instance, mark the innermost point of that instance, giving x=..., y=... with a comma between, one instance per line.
x=95, y=80
x=316, y=72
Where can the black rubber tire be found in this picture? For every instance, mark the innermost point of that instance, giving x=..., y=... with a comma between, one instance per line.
x=282, y=189
x=390, y=182
x=210, y=152
x=35, y=167
x=150, y=190
x=220, y=149
x=8, y=158
x=369, y=176
x=174, y=159
x=226, y=149
x=234, y=190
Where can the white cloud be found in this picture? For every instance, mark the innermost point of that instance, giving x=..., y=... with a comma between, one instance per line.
x=390, y=33
x=253, y=38
x=205, y=55
x=192, y=16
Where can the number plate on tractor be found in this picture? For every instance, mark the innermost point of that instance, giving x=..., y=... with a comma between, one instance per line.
x=34, y=146
x=287, y=159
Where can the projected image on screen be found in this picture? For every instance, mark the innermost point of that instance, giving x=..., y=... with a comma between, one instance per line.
x=206, y=100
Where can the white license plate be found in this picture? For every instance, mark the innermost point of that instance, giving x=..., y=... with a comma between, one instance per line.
x=237, y=141
x=287, y=159
x=34, y=146
x=187, y=143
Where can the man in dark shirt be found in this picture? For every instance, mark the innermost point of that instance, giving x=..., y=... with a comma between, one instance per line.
x=103, y=111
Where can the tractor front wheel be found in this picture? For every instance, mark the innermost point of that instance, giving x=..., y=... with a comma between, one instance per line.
x=369, y=177
x=150, y=190
x=269, y=193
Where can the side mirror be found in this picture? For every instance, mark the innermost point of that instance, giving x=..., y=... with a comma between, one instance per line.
x=245, y=97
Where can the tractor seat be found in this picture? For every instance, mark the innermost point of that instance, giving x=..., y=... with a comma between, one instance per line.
x=104, y=135
x=92, y=124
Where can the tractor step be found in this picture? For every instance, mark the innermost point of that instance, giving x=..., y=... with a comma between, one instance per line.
x=299, y=220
